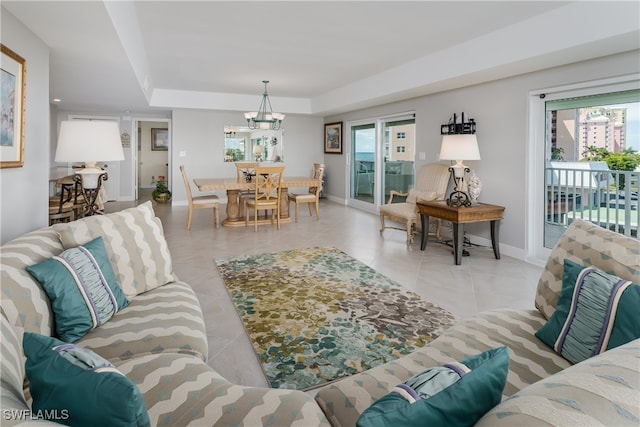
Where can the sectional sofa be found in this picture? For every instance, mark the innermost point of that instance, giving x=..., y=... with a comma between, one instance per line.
x=158, y=342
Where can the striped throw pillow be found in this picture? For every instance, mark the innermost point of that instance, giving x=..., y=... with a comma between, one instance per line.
x=82, y=287
x=596, y=312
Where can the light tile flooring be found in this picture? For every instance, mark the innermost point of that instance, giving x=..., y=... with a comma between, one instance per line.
x=480, y=283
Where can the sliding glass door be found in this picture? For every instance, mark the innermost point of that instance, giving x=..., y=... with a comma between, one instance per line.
x=591, y=159
x=382, y=160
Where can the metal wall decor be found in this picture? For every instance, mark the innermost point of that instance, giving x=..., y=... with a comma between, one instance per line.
x=457, y=125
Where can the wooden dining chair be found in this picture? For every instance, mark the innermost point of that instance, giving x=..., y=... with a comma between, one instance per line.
x=210, y=201
x=266, y=194
x=61, y=206
x=313, y=195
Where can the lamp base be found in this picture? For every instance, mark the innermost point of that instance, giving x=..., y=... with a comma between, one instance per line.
x=458, y=199
x=91, y=194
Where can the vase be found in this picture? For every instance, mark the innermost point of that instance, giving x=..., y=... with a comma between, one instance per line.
x=474, y=187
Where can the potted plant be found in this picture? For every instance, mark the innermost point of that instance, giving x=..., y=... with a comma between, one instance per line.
x=161, y=194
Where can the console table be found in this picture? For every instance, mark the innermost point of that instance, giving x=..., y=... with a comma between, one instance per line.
x=458, y=216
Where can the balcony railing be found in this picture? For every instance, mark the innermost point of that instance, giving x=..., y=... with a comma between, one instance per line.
x=593, y=193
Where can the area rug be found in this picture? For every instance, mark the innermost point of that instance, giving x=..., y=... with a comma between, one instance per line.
x=317, y=315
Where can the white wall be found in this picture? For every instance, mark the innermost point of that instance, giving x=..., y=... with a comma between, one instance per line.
x=199, y=136
x=24, y=204
x=501, y=110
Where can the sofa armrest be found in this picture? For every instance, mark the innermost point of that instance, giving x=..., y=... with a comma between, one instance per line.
x=393, y=193
x=602, y=390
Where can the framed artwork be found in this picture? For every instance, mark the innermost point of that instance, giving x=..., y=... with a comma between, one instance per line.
x=333, y=138
x=12, y=79
x=159, y=139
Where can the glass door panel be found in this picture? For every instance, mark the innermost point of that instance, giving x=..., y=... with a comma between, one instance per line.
x=399, y=154
x=363, y=171
x=591, y=149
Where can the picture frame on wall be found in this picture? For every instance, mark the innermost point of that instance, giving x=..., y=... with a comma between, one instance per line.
x=159, y=139
x=12, y=99
x=333, y=138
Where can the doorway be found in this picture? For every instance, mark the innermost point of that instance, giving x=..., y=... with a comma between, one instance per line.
x=154, y=141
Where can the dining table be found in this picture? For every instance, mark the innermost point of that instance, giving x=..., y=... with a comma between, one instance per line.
x=233, y=187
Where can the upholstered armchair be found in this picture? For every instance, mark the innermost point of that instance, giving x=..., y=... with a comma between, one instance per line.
x=431, y=184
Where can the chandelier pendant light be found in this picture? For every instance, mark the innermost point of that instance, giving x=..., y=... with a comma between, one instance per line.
x=263, y=118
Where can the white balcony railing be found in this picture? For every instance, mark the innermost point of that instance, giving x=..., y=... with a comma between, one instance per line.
x=592, y=192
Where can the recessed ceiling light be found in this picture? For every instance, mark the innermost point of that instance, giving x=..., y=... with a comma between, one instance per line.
x=56, y=100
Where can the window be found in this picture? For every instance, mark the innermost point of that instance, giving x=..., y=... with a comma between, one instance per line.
x=400, y=149
x=400, y=135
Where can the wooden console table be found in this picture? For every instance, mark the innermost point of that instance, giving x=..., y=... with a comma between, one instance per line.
x=458, y=216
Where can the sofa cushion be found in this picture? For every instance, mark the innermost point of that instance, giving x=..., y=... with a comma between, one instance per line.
x=596, y=312
x=603, y=391
x=24, y=302
x=78, y=386
x=529, y=361
x=165, y=319
x=586, y=243
x=11, y=367
x=180, y=390
x=82, y=287
x=456, y=394
x=135, y=243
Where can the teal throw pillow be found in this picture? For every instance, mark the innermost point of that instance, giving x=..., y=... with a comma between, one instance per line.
x=82, y=287
x=454, y=395
x=596, y=312
x=80, y=387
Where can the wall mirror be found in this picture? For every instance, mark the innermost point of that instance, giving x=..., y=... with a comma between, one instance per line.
x=242, y=144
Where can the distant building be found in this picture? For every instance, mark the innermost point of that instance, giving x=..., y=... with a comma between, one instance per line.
x=602, y=127
x=573, y=131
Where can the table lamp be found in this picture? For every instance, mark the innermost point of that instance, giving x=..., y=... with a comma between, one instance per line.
x=258, y=151
x=89, y=141
x=459, y=147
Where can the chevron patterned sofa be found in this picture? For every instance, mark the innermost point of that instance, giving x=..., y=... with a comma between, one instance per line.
x=158, y=341
x=543, y=388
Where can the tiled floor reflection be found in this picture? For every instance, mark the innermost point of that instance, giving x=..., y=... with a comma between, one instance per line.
x=480, y=283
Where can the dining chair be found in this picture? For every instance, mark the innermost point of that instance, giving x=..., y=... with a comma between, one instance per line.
x=431, y=184
x=266, y=194
x=61, y=206
x=313, y=195
x=209, y=201
x=245, y=172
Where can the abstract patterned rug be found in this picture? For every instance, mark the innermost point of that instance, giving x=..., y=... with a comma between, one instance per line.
x=317, y=315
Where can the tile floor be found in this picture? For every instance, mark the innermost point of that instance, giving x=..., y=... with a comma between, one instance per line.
x=480, y=283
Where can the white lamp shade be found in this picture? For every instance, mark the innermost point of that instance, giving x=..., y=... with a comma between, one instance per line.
x=459, y=147
x=89, y=141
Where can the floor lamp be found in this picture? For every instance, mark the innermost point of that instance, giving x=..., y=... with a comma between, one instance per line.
x=89, y=141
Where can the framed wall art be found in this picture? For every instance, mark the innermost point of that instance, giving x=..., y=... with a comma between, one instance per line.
x=12, y=97
x=333, y=138
x=159, y=139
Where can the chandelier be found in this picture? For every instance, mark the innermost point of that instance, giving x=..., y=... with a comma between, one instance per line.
x=263, y=119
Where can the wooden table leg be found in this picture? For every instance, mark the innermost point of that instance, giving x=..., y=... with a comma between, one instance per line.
x=424, y=222
x=458, y=242
x=234, y=216
x=284, y=204
x=495, y=241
